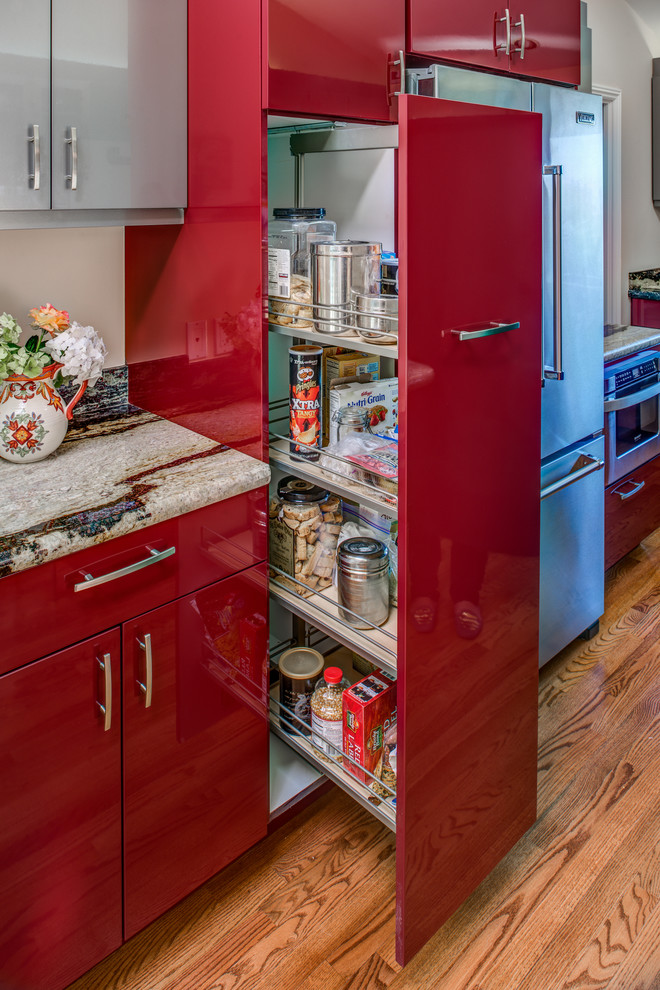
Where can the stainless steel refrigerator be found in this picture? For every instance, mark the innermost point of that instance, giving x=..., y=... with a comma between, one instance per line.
x=571, y=367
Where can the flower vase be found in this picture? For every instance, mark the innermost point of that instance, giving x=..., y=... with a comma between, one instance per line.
x=33, y=417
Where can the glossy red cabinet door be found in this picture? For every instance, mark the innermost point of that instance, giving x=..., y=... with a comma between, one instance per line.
x=469, y=428
x=473, y=32
x=331, y=59
x=551, y=40
x=60, y=838
x=195, y=741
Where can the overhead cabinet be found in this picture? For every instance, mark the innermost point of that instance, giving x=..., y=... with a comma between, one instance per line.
x=94, y=104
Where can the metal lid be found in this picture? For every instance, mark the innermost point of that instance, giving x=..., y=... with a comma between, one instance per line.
x=378, y=304
x=299, y=212
x=345, y=249
x=361, y=553
x=301, y=662
x=352, y=416
x=300, y=492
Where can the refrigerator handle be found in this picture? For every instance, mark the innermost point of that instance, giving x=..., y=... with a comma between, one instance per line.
x=588, y=465
x=556, y=372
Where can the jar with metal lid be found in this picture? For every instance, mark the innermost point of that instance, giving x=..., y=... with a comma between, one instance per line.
x=291, y=232
x=351, y=419
x=299, y=668
x=305, y=521
x=338, y=270
x=377, y=317
x=363, y=582
x=327, y=712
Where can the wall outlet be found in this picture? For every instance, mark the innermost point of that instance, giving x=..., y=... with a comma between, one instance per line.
x=196, y=335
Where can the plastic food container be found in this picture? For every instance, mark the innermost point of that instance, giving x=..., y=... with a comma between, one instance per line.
x=327, y=713
x=377, y=317
x=291, y=233
x=300, y=669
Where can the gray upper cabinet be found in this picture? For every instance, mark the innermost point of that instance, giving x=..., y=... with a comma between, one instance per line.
x=102, y=88
x=25, y=104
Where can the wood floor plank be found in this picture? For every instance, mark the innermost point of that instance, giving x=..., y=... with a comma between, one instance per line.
x=374, y=974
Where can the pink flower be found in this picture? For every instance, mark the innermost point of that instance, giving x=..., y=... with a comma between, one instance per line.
x=50, y=319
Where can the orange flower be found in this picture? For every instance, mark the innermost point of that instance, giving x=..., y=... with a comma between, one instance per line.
x=50, y=319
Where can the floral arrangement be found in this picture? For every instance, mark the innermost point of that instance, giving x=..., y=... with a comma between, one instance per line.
x=73, y=351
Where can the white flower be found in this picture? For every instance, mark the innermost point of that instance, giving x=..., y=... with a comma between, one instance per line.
x=80, y=351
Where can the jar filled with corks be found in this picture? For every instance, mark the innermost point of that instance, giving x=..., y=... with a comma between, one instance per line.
x=327, y=713
x=305, y=521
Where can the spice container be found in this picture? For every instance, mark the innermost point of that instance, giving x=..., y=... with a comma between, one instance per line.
x=290, y=234
x=362, y=582
x=299, y=671
x=377, y=317
x=338, y=270
x=305, y=521
x=327, y=713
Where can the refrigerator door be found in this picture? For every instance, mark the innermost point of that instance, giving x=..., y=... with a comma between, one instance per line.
x=572, y=545
x=572, y=404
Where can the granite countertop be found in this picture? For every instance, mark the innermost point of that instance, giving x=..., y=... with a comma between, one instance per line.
x=628, y=340
x=112, y=477
x=644, y=285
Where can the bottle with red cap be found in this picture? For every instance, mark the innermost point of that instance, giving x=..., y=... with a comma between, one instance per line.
x=327, y=712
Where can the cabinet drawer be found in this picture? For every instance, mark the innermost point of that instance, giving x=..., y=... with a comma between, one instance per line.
x=55, y=604
x=632, y=510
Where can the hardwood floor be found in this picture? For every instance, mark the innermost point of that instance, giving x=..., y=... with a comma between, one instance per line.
x=574, y=906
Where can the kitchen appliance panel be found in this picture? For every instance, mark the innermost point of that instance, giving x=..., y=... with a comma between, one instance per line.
x=60, y=841
x=195, y=756
x=470, y=529
x=25, y=89
x=632, y=413
x=572, y=406
x=572, y=547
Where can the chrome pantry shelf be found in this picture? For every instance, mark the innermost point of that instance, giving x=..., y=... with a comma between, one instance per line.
x=321, y=609
x=336, y=340
x=308, y=470
x=384, y=809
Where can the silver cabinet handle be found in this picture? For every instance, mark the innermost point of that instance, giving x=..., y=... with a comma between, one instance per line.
x=626, y=401
x=72, y=141
x=521, y=25
x=507, y=22
x=147, y=687
x=487, y=330
x=35, y=175
x=106, y=709
x=155, y=556
x=556, y=371
x=636, y=487
x=592, y=464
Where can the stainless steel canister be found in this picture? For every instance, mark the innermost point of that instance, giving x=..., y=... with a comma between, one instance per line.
x=338, y=269
x=377, y=317
x=362, y=582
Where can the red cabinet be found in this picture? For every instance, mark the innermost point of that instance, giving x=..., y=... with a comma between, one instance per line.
x=331, y=59
x=195, y=754
x=536, y=39
x=60, y=839
x=632, y=510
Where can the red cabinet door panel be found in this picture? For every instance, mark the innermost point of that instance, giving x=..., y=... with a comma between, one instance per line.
x=196, y=741
x=472, y=33
x=331, y=59
x=60, y=838
x=632, y=510
x=43, y=611
x=551, y=40
x=469, y=426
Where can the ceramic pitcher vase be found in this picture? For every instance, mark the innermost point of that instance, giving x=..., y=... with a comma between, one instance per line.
x=33, y=417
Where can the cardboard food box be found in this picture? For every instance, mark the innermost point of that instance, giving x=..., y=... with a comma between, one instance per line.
x=381, y=400
x=369, y=708
x=338, y=362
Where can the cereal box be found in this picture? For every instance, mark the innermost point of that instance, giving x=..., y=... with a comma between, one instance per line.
x=339, y=362
x=369, y=709
x=380, y=399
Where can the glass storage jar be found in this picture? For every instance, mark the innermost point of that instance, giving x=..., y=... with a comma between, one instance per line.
x=327, y=713
x=291, y=233
x=305, y=521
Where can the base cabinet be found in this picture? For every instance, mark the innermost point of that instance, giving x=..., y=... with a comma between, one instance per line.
x=164, y=717
x=632, y=510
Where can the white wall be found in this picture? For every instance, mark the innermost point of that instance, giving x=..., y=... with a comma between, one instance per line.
x=622, y=52
x=77, y=269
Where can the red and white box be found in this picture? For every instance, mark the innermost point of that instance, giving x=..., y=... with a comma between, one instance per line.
x=369, y=708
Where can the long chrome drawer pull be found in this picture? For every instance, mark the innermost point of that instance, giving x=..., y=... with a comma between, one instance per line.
x=147, y=687
x=106, y=710
x=636, y=487
x=72, y=141
x=523, y=39
x=155, y=557
x=35, y=174
x=626, y=401
x=488, y=330
x=593, y=464
x=557, y=371
x=507, y=22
